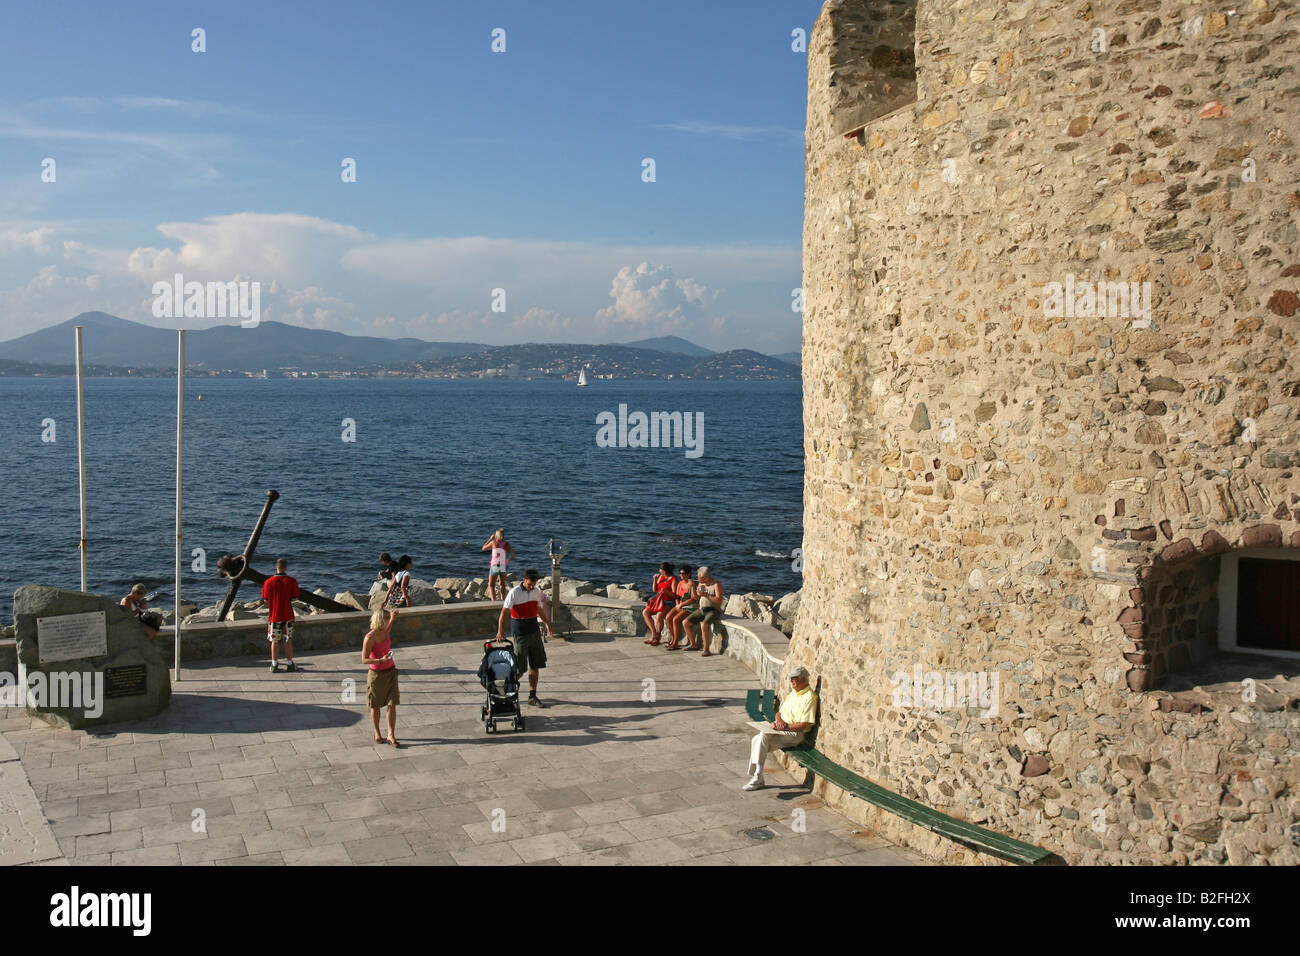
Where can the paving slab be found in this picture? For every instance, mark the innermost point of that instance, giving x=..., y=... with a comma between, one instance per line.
x=287, y=774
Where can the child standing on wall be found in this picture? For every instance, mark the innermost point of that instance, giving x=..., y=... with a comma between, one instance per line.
x=502, y=555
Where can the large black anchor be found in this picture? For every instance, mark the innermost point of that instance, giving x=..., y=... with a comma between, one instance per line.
x=238, y=568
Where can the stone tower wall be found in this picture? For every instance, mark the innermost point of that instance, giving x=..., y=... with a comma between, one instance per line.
x=1001, y=484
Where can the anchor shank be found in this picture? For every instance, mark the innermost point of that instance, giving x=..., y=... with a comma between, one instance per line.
x=249, y=551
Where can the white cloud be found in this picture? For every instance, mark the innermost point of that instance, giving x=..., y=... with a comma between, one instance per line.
x=735, y=131
x=323, y=274
x=281, y=247
x=546, y=321
x=15, y=240
x=651, y=298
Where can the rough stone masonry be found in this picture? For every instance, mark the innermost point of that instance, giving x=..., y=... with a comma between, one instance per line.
x=1015, y=464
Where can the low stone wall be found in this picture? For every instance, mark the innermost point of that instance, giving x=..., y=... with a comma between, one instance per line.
x=331, y=631
x=760, y=647
x=9, y=656
x=314, y=632
x=598, y=614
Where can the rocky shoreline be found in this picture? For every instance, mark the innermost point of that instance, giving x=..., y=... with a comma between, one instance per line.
x=777, y=612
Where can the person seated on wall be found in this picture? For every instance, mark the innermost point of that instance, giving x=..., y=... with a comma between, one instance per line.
x=708, y=614
x=796, y=716
x=687, y=603
x=663, y=600
x=137, y=603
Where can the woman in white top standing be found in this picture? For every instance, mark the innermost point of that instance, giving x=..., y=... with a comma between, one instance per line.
x=502, y=555
x=398, y=595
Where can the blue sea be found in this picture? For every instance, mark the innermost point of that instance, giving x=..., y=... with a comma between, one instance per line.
x=434, y=468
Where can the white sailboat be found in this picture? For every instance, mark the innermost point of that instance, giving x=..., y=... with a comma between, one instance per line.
x=582, y=377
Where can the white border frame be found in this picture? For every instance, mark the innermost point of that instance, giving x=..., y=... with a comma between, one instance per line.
x=1228, y=598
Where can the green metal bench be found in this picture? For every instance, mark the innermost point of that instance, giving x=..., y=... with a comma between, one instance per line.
x=761, y=706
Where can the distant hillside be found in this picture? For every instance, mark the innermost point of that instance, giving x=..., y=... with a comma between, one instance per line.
x=618, y=361
x=110, y=340
x=744, y=364
x=794, y=358
x=671, y=343
x=115, y=346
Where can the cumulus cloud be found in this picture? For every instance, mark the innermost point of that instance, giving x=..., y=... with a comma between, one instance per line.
x=546, y=321
x=15, y=240
x=324, y=274
x=264, y=247
x=651, y=297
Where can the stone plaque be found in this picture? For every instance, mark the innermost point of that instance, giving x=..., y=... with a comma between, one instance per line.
x=128, y=681
x=67, y=637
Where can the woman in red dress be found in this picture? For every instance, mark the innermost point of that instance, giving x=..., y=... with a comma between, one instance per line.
x=661, y=602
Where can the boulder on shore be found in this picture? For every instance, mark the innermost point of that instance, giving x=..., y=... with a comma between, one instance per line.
x=351, y=599
x=169, y=616
x=786, y=610
x=754, y=606
x=422, y=593
x=205, y=615
x=572, y=588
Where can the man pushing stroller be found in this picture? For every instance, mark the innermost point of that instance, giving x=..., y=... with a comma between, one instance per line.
x=524, y=603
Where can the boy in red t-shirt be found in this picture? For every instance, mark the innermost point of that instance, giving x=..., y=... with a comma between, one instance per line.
x=278, y=591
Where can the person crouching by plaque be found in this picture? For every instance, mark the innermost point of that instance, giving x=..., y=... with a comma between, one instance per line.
x=278, y=591
x=381, y=681
x=136, y=602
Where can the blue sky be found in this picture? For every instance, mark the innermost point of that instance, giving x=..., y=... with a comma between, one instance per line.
x=475, y=170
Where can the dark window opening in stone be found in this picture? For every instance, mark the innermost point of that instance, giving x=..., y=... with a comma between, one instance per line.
x=873, y=60
x=1268, y=605
x=1180, y=620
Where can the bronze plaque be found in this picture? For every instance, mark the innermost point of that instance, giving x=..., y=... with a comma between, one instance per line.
x=129, y=681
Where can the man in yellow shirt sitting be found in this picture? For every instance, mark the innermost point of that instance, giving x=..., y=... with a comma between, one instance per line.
x=796, y=717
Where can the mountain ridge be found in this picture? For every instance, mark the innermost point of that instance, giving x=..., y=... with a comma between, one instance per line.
x=114, y=342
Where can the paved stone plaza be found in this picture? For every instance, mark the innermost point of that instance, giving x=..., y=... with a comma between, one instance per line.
x=285, y=773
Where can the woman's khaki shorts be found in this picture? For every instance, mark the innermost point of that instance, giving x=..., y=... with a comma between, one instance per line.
x=381, y=689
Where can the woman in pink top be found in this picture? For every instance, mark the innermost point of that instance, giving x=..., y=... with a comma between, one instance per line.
x=502, y=555
x=381, y=682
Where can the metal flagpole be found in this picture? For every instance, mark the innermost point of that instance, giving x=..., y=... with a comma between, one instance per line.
x=180, y=446
x=81, y=455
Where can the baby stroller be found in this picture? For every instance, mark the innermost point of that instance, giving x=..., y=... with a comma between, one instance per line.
x=499, y=675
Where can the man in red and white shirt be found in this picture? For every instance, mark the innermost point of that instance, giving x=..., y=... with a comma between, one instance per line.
x=524, y=604
x=278, y=591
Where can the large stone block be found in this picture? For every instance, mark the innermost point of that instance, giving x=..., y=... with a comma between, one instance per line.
x=74, y=693
x=571, y=589
x=422, y=593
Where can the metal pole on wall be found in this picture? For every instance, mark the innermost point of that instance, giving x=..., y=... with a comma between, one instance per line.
x=81, y=455
x=180, y=448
